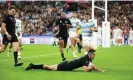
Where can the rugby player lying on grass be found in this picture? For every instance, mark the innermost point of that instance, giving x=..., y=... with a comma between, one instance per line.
x=84, y=61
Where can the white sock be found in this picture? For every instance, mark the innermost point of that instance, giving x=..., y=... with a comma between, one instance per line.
x=74, y=54
x=19, y=53
x=85, y=53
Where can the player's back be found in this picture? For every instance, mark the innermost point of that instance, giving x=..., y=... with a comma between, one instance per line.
x=76, y=63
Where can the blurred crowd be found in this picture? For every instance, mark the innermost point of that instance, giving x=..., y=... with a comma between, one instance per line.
x=38, y=16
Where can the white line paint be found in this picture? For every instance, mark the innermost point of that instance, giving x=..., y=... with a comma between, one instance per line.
x=30, y=57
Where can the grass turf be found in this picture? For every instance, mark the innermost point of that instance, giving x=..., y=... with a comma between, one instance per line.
x=117, y=60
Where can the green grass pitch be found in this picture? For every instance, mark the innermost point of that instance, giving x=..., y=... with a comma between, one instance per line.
x=117, y=60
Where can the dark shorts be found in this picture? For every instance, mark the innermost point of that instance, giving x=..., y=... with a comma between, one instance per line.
x=64, y=39
x=63, y=66
x=80, y=37
x=6, y=41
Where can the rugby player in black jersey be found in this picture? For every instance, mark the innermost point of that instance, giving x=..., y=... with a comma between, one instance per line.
x=84, y=61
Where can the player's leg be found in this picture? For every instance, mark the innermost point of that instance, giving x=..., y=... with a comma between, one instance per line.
x=86, y=45
x=52, y=67
x=79, y=43
x=41, y=66
x=57, y=41
x=15, y=49
x=54, y=43
x=4, y=44
x=86, y=49
x=3, y=48
x=9, y=50
x=61, y=43
x=10, y=47
x=21, y=40
x=15, y=46
x=124, y=41
x=90, y=45
x=69, y=46
x=131, y=41
x=73, y=41
x=19, y=47
x=99, y=40
x=119, y=41
x=116, y=42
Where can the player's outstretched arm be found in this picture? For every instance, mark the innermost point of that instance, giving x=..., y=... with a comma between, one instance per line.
x=98, y=69
x=88, y=68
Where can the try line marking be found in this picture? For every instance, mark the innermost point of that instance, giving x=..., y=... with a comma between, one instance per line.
x=30, y=57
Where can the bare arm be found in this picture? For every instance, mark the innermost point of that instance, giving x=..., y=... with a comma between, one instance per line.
x=4, y=28
x=95, y=29
x=69, y=25
x=87, y=68
x=98, y=69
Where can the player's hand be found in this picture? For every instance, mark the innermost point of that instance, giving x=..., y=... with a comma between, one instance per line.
x=9, y=36
x=68, y=25
x=103, y=70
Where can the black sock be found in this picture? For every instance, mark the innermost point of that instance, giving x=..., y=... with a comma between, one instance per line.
x=15, y=57
x=62, y=55
x=39, y=66
x=55, y=43
x=78, y=45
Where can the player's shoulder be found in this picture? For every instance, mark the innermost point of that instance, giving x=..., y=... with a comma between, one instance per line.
x=6, y=16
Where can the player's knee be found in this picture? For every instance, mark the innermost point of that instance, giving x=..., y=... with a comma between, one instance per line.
x=20, y=44
x=16, y=49
x=62, y=45
x=71, y=45
x=2, y=50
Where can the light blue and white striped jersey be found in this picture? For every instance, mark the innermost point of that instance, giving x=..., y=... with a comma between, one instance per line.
x=18, y=25
x=85, y=28
x=73, y=22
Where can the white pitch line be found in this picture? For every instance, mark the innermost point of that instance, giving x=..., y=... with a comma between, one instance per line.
x=30, y=57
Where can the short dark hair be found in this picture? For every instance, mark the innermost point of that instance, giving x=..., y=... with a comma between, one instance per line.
x=18, y=34
x=11, y=7
x=91, y=51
